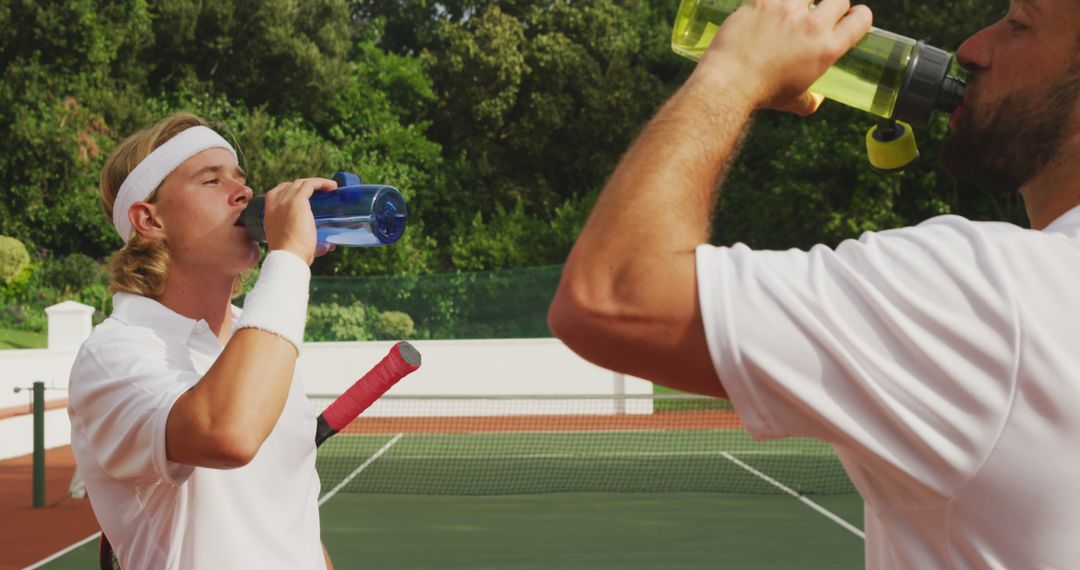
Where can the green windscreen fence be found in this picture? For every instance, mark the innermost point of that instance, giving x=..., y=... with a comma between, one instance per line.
x=510, y=303
x=524, y=445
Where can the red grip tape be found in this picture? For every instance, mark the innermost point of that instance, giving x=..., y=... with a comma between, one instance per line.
x=368, y=388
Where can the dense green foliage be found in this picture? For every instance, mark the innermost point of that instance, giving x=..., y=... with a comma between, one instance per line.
x=356, y=321
x=498, y=119
x=13, y=257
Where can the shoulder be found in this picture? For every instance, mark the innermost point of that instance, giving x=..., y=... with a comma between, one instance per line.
x=949, y=231
x=116, y=350
x=114, y=340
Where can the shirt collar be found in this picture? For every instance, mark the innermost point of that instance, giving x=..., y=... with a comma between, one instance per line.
x=1067, y=223
x=138, y=310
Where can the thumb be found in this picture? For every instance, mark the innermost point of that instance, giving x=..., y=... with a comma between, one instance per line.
x=806, y=104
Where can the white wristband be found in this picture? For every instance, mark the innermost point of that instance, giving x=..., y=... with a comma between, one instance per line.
x=278, y=302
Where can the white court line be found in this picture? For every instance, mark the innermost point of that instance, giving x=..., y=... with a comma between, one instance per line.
x=357, y=471
x=832, y=516
x=325, y=498
x=589, y=455
x=41, y=563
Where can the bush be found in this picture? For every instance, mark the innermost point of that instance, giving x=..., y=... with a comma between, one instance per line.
x=392, y=325
x=332, y=322
x=336, y=322
x=16, y=289
x=73, y=274
x=23, y=318
x=13, y=257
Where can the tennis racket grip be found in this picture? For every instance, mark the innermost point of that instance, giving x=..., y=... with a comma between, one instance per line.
x=402, y=360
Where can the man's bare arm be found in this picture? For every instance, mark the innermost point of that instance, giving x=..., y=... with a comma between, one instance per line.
x=628, y=296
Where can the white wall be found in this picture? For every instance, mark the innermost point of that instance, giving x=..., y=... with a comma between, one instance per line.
x=17, y=433
x=21, y=368
x=503, y=367
x=468, y=368
x=541, y=366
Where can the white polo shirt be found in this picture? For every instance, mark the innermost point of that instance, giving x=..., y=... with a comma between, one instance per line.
x=161, y=514
x=943, y=364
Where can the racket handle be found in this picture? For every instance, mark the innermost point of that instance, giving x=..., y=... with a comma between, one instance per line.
x=402, y=360
x=323, y=431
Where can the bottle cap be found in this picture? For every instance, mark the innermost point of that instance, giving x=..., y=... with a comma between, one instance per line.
x=891, y=146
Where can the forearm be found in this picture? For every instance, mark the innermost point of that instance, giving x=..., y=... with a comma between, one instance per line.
x=660, y=199
x=627, y=300
x=223, y=420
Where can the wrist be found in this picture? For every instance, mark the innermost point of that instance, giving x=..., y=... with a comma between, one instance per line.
x=278, y=302
x=721, y=84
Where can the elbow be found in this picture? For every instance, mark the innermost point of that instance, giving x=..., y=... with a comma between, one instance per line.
x=230, y=449
x=565, y=316
x=584, y=320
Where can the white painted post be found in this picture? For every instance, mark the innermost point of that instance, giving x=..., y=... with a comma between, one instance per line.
x=619, y=390
x=69, y=324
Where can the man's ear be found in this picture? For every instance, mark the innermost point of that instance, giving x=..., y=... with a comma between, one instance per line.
x=146, y=221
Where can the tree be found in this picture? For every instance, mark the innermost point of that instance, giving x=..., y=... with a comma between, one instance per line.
x=60, y=64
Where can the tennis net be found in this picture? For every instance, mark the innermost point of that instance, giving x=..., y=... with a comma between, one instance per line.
x=495, y=445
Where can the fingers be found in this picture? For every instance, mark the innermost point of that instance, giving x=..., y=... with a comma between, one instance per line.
x=288, y=221
x=848, y=23
x=807, y=104
x=855, y=25
x=830, y=10
x=303, y=187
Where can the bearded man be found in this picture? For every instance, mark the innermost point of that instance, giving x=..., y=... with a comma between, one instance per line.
x=941, y=361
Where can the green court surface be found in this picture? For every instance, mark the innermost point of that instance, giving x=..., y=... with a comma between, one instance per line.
x=491, y=497
x=580, y=531
x=590, y=530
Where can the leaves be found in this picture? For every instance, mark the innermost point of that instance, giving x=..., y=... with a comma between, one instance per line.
x=499, y=120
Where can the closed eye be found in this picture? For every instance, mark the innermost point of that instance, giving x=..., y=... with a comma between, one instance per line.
x=1015, y=26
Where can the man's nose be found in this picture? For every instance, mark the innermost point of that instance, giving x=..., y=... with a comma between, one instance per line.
x=975, y=53
x=241, y=194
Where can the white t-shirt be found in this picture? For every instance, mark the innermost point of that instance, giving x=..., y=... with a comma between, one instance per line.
x=943, y=364
x=161, y=514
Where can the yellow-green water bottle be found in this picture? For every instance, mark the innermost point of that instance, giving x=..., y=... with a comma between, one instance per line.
x=894, y=77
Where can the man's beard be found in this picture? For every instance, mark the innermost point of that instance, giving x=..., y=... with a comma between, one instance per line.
x=1003, y=147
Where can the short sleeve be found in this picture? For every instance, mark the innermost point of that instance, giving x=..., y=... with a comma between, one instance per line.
x=900, y=347
x=120, y=402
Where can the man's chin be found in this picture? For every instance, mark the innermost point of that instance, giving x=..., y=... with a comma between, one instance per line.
x=965, y=159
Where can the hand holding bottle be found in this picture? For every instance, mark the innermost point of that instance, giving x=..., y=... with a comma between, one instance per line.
x=355, y=214
x=778, y=48
x=288, y=220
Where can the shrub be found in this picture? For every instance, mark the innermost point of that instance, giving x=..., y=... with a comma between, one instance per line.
x=13, y=257
x=332, y=321
x=16, y=289
x=23, y=318
x=392, y=325
x=73, y=273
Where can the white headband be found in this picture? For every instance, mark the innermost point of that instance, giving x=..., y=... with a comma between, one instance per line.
x=157, y=165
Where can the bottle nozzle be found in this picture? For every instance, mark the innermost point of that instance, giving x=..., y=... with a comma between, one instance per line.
x=951, y=94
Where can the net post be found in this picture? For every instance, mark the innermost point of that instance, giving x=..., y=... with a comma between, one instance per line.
x=619, y=393
x=39, y=445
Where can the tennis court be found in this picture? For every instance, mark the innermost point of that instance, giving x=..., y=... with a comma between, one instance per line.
x=553, y=482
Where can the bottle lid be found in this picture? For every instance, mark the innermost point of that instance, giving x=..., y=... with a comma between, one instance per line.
x=891, y=146
x=923, y=80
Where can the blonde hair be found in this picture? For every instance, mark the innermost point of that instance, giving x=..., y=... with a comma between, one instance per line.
x=141, y=265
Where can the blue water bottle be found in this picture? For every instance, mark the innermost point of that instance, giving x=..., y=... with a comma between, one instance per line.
x=356, y=214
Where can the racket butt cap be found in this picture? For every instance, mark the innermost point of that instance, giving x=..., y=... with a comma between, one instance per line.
x=408, y=353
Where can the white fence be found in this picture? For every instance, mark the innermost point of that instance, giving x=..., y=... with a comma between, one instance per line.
x=502, y=367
